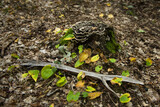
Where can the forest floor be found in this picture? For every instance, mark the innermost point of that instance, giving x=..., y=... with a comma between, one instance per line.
x=27, y=30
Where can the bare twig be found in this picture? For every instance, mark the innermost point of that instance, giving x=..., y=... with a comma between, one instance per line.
x=102, y=77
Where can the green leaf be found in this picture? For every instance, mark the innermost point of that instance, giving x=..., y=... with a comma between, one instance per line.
x=10, y=68
x=73, y=97
x=57, y=46
x=80, y=75
x=52, y=105
x=69, y=37
x=15, y=56
x=80, y=48
x=125, y=98
x=61, y=82
x=117, y=80
x=47, y=71
x=125, y=73
x=34, y=74
x=98, y=68
x=112, y=60
x=78, y=63
x=90, y=89
x=141, y=31
x=73, y=55
x=24, y=75
x=85, y=94
x=148, y=62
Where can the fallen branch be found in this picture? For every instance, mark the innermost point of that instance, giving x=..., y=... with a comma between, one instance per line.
x=102, y=77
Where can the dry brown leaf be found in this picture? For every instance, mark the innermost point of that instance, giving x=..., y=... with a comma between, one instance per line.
x=88, y=60
x=80, y=84
x=88, y=51
x=103, y=58
x=83, y=56
x=94, y=95
x=110, y=69
x=92, y=83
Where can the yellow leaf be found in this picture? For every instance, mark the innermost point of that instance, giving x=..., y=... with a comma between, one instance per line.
x=101, y=15
x=94, y=95
x=49, y=30
x=80, y=84
x=110, y=16
x=132, y=59
x=62, y=15
x=95, y=58
x=108, y=4
x=16, y=40
x=81, y=75
x=83, y=56
x=57, y=30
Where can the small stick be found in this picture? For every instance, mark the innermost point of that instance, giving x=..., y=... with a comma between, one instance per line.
x=102, y=77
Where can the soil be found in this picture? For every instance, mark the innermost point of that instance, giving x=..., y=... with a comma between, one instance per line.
x=23, y=26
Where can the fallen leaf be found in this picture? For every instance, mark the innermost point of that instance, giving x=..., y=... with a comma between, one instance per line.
x=94, y=95
x=49, y=30
x=80, y=84
x=24, y=75
x=78, y=63
x=125, y=98
x=125, y=73
x=110, y=16
x=15, y=55
x=110, y=69
x=61, y=82
x=90, y=89
x=108, y=4
x=88, y=51
x=149, y=62
x=52, y=105
x=57, y=30
x=98, y=68
x=73, y=97
x=141, y=31
x=101, y=15
x=112, y=60
x=132, y=59
x=83, y=56
x=117, y=80
x=62, y=15
x=88, y=60
x=103, y=58
x=16, y=40
x=95, y=58
x=80, y=75
x=85, y=94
